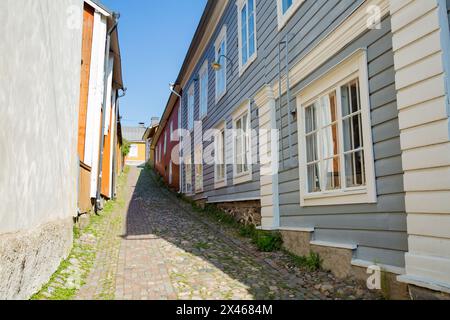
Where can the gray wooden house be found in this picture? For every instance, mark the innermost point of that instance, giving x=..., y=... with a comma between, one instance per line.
x=355, y=96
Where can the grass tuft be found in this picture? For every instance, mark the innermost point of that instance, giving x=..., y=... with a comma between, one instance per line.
x=312, y=263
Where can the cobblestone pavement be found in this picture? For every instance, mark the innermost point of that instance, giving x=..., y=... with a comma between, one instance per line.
x=166, y=251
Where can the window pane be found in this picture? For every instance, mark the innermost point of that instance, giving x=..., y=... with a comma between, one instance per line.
x=221, y=74
x=354, y=169
x=204, y=93
x=251, y=28
x=353, y=133
x=350, y=98
x=286, y=5
x=311, y=148
x=329, y=109
x=330, y=143
x=310, y=119
x=244, y=33
x=332, y=174
x=313, y=178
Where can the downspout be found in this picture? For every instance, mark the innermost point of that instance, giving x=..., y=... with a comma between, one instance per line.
x=105, y=92
x=114, y=179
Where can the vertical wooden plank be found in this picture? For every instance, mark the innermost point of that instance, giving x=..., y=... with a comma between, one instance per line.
x=88, y=27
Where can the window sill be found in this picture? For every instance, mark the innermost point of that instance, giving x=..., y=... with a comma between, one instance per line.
x=220, y=97
x=349, y=196
x=220, y=184
x=249, y=62
x=242, y=178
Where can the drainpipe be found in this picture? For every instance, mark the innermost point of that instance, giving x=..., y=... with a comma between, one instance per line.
x=105, y=92
x=114, y=181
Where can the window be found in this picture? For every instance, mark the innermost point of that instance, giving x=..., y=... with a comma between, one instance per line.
x=171, y=130
x=241, y=144
x=221, y=53
x=247, y=33
x=198, y=168
x=219, y=155
x=165, y=143
x=170, y=172
x=337, y=163
x=286, y=8
x=191, y=103
x=203, y=76
x=156, y=155
x=188, y=178
x=133, y=151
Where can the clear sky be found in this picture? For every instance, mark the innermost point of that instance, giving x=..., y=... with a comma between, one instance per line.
x=154, y=38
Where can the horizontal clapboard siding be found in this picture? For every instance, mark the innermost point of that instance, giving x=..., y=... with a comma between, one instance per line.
x=310, y=24
x=378, y=229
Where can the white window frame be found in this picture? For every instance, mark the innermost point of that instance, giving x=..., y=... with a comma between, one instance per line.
x=171, y=130
x=198, y=156
x=203, y=77
x=283, y=18
x=165, y=143
x=223, y=61
x=190, y=108
x=218, y=145
x=239, y=113
x=250, y=59
x=355, y=66
x=188, y=188
x=170, y=172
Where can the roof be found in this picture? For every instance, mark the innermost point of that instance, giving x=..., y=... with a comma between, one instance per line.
x=115, y=47
x=206, y=17
x=150, y=132
x=197, y=38
x=133, y=134
x=97, y=4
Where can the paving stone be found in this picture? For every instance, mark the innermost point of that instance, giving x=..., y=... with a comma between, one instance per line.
x=160, y=249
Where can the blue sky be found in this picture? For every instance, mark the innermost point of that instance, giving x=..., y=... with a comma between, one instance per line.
x=154, y=38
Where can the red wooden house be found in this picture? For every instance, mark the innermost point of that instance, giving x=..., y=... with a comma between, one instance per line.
x=165, y=162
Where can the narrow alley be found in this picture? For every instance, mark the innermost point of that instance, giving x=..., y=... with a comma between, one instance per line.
x=161, y=250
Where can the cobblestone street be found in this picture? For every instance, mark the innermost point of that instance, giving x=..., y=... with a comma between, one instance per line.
x=165, y=251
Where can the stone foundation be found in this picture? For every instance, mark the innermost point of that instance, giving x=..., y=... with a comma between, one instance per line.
x=245, y=212
x=29, y=258
x=418, y=293
x=339, y=262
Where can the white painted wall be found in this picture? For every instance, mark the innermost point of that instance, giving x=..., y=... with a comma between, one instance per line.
x=40, y=54
x=421, y=53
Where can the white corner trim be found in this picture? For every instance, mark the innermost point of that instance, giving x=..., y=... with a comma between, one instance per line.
x=350, y=28
x=297, y=229
x=384, y=267
x=334, y=245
